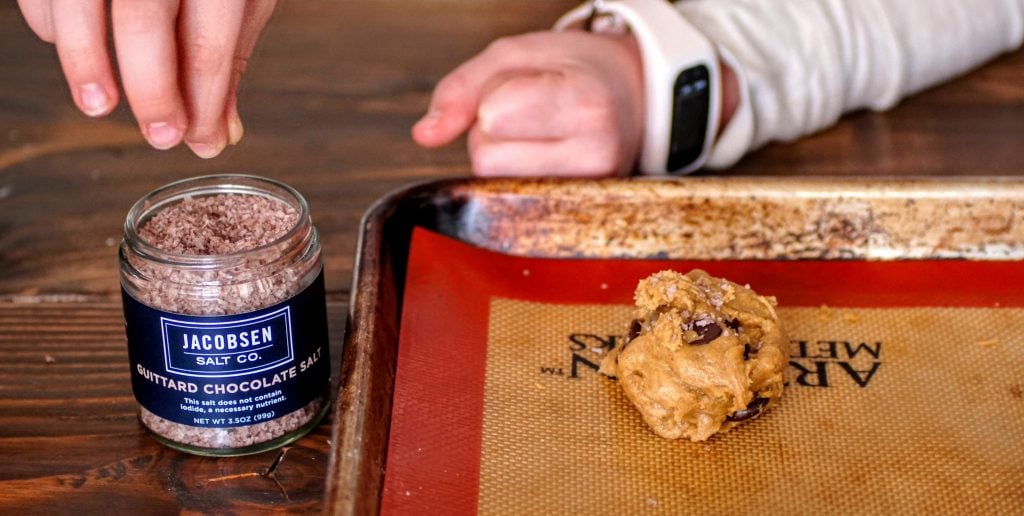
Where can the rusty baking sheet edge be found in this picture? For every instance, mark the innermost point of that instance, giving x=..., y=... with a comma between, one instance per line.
x=994, y=207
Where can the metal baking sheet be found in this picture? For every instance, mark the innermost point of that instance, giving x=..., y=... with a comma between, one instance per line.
x=686, y=219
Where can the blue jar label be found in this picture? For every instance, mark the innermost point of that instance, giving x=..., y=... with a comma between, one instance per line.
x=234, y=370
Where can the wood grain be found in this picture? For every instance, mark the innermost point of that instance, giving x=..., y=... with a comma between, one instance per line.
x=328, y=101
x=70, y=438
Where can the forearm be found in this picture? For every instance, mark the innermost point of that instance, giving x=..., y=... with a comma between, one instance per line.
x=801, y=64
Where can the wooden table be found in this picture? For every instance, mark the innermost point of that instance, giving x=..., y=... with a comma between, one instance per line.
x=328, y=101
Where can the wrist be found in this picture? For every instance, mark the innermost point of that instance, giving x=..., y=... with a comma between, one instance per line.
x=682, y=84
x=631, y=79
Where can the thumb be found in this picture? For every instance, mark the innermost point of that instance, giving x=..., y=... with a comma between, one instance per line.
x=452, y=111
x=453, y=108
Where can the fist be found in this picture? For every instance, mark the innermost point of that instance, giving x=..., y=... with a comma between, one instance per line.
x=544, y=104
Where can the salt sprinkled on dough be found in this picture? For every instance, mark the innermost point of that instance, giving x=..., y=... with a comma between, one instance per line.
x=694, y=368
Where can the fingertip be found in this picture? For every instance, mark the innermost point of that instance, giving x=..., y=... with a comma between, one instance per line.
x=433, y=116
x=452, y=111
x=95, y=100
x=428, y=131
x=206, y=150
x=235, y=128
x=162, y=135
x=208, y=141
x=79, y=33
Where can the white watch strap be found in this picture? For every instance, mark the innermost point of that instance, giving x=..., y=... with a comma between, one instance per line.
x=668, y=45
x=735, y=138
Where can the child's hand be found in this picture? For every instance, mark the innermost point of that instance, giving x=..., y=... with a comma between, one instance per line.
x=180, y=61
x=546, y=103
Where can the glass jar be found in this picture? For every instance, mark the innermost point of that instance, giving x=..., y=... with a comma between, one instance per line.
x=228, y=347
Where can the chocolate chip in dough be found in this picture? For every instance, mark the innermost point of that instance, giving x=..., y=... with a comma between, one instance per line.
x=753, y=410
x=634, y=330
x=706, y=334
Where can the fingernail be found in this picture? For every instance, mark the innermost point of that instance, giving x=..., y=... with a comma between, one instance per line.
x=431, y=117
x=94, y=99
x=162, y=135
x=205, y=150
x=235, y=128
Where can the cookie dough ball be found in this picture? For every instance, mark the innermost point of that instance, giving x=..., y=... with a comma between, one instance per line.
x=704, y=355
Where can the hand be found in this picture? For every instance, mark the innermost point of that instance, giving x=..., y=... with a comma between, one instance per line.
x=546, y=103
x=180, y=62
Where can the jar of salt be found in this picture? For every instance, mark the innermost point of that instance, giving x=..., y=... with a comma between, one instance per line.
x=225, y=314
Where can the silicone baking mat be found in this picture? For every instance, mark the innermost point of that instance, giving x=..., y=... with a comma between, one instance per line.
x=906, y=392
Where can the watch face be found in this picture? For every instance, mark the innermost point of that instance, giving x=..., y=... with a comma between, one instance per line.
x=691, y=105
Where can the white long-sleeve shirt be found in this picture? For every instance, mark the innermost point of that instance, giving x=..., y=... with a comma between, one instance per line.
x=803, y=63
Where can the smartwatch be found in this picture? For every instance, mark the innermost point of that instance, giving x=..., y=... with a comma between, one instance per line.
x=681, y=79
